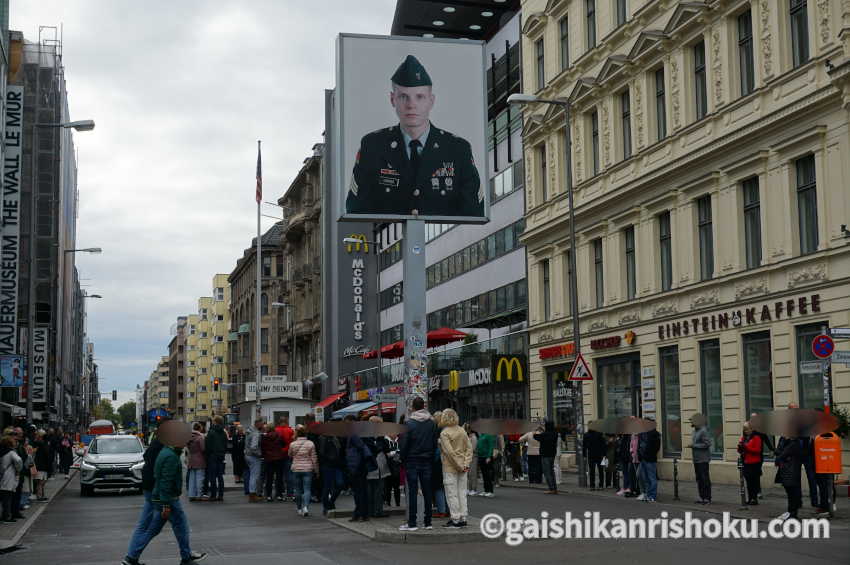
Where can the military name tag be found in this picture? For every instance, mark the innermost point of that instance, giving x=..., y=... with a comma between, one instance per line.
x=390, y=172
x=388, y=181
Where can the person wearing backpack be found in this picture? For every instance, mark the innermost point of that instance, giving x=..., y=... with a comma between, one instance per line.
x=331, y=465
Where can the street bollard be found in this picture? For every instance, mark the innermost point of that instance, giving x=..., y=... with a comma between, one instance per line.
x=675, y=479
x=744, y=505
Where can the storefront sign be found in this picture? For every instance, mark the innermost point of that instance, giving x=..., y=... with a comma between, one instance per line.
x=742, y=317
x=563, y=350
x=11, y=370
x=11, y=225
x=510, y=367
x=605, y=342
x=38, y=379
x=355, y=350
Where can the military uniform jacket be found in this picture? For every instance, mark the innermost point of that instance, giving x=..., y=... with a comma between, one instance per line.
x=384, y=182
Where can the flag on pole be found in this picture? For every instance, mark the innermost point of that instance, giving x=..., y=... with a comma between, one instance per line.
x=259, y=175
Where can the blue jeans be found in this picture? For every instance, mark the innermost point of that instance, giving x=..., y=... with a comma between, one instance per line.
x=649, y=477
x=303, y=480
x=215, y=473
x=288, y=479
x=440, y=501
x=254, y=464
x=179, y=525
x=332, y=482
x=139, y=539
x=246, y=479
x=418, y=473
x=196, y=482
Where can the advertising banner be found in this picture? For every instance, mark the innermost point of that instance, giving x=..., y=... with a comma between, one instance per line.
x=410, y=126
x=11, y=370
x=38, y=377
x=11, y=214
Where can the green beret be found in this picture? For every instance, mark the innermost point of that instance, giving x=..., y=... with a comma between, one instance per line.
x=411, y=73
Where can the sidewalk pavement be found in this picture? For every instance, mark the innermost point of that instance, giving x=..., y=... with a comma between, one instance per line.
x=725, y=498
x=11, y=534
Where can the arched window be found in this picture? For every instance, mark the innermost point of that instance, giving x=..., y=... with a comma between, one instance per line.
x=264, y=304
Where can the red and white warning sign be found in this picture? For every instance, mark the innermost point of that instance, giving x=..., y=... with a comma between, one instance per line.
x=580, y=370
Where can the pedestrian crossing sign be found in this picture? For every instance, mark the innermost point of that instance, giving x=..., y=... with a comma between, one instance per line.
x=580, y=370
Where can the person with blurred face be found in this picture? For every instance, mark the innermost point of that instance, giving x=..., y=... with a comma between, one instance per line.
x=414, y=168
x=165, y=496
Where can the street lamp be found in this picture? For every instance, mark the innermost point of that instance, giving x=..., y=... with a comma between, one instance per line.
x=80, y=125
x=521, y=99
x=355, y=241
x=291, y=368
x=92, y=296
x=85, y=250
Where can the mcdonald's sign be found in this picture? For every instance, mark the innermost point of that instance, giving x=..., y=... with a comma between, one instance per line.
x=349, y=247
x=454, y=381
x=511, y=365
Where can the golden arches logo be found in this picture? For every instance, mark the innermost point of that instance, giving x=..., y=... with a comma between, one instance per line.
x=510, y=363
x=454, y=381
x=356, y=246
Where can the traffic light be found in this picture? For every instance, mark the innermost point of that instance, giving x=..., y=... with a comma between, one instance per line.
x=216, y=382
x=158, y=418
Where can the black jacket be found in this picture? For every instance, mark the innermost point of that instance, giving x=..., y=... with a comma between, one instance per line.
x=648, y=445
x=548, y=441
x=216, y=441
x=151, y=454
x=790, y=453
x=384, y=180
x=420, y=440
x=593, y=445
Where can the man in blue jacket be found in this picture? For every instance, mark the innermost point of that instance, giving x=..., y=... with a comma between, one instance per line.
x=418, y=450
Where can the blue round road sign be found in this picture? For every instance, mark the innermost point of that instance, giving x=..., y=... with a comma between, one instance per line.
x=823, y=346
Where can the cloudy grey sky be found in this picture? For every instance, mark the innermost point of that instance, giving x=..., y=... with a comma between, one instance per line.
x=180, y=92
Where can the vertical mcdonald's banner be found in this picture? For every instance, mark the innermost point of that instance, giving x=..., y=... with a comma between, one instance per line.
x=509, y=367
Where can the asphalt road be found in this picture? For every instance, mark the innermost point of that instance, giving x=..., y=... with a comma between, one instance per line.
x=96, y=530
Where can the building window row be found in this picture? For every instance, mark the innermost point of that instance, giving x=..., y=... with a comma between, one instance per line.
x=506, y=182
x=466, y=313
x=751, y=245
x=491, y=247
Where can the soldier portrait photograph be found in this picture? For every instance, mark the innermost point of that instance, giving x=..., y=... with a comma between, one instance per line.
x=417, y=166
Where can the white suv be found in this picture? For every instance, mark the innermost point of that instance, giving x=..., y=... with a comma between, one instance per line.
x=112, y=461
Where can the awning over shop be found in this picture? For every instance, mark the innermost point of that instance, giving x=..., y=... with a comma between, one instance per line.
x=386, y=408
x=436, y=338
x=329, y=400
x=353, y=409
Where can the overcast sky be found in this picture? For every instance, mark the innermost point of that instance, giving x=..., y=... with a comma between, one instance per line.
x=180, y=92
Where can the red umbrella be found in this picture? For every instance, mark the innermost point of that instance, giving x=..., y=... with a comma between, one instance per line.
x=443, y=336
x=393, y=350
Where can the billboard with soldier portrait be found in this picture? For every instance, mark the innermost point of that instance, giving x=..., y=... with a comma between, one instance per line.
x=411, y=123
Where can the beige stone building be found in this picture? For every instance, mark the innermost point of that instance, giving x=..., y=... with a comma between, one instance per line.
x=302, y=243
x=242, y=283
x=710, y=166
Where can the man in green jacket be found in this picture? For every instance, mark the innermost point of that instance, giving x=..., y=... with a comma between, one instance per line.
x=168, y=486
x=485, y=447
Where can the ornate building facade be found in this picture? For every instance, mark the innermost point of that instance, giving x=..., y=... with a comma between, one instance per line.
x=710, y=169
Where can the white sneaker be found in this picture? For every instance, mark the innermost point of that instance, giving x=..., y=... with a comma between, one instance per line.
x=472, y=493
x=641, y=497
x=406, y=528
x=488, y=494
x=299, y=512
x=784, y=516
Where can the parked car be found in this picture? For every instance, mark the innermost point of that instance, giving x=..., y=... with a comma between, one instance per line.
x=112, y=462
